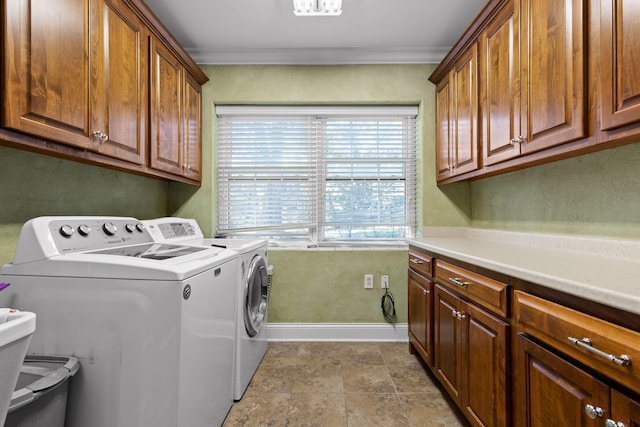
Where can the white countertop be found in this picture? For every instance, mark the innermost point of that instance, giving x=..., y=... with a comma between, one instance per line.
x=602, y=270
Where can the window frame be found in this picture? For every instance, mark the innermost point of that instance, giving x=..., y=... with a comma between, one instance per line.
x=316, y=235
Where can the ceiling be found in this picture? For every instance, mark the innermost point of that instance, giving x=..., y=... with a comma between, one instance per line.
x=267, y=31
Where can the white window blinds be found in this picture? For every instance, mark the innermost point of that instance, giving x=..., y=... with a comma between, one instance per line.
x=317, y=174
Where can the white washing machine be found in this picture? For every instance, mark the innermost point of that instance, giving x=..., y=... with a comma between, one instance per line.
x=152, y=324
x=252, y=290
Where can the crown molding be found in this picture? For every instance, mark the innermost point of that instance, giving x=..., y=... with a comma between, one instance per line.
x=318, y=56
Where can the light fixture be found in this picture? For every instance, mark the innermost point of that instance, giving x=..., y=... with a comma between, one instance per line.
x=317, y=7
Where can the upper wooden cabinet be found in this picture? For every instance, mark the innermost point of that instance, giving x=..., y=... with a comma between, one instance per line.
x=457, y=118
x=553, y=72
x=100, y=81
x=499, y=88
x=619, y=50
x=175, y=116
x=77, y=74
x=556, y=78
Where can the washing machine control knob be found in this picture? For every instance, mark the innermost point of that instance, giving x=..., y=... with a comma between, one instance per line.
x=130, y=228
x=109, y=228
x=140, y=227
x=66, y=231
x=84, y=230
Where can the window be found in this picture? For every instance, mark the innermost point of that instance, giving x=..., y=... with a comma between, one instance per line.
x=316, y=174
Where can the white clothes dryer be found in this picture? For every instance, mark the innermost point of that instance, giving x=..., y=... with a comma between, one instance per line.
x=252, y=290
x=152, y=324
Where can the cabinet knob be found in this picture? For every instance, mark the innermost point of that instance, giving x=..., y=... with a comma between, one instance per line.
x=461, y=316
x=425, y=292
x=103, y=137
x=518, y=140
x=611, y=423
x=593, y=412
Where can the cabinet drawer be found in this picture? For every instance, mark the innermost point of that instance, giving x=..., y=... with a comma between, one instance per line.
x=487, y=292
x=557, y=325
x=420, y=262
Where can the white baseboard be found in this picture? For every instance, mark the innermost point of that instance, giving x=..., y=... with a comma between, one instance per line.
x=337, y=332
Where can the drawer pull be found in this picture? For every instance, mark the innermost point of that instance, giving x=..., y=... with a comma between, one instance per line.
x=593, y=412
x=416, y=261
x=458, y=281
x=622, y=360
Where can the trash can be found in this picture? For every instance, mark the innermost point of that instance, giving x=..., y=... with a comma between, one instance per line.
x=16, y=328
x=40, y=396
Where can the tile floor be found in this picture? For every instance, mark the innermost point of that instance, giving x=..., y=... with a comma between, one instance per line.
x=342, y=384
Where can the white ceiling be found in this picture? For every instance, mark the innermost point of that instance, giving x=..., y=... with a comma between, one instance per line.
x=267, y=31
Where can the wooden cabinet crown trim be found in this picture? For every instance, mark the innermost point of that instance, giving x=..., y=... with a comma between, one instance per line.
x=160, y=31
x=469, y=37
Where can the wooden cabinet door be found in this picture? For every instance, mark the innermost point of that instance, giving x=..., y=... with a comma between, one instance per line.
x=448, y=341
x=420, y=294
x=465, y=113
x=76, y=70
x=499, y=88
x=119, y=81
x=166, y=134
x=192, y=143
x=485, y=367
x=553, y=72
x=443, y=129
x=47, y=70
x=551, y=391
x=618, y=67
x=624, y=410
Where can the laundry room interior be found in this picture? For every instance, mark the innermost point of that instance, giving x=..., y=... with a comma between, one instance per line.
x=549, y=230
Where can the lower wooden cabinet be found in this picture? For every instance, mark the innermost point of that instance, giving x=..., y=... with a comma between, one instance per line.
x=471, y=358
x=420, y=314
x=507, y=357
x=550, y=390
x=562, y=382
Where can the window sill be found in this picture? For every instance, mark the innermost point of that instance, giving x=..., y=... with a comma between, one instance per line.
x=342, y=246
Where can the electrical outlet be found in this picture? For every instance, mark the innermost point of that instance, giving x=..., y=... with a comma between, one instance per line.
x=368, y=281
x=384, y=281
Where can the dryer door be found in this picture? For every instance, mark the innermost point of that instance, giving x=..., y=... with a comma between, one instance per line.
x=256, y=292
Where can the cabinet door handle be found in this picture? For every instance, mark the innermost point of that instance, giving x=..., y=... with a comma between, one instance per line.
x=612, y=423
x=415, y=261
x=622, y=360
x=461, y=316
x=593, y=412
x=458, y=281
x=454, y=313
x=425, y=292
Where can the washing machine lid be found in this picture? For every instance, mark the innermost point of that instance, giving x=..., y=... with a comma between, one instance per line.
x=156, y=251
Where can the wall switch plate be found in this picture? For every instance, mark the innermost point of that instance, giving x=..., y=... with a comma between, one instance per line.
x=384, y=281
x=368, y=281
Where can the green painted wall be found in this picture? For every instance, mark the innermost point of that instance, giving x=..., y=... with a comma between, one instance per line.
x=35, y=185
x=324, y=285
x=595, y=194
x=327, y=285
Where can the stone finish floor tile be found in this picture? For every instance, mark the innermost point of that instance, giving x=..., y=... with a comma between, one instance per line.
x=342, y=384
